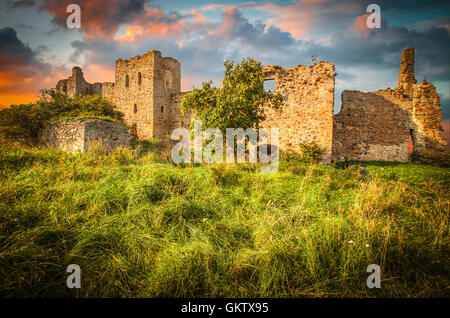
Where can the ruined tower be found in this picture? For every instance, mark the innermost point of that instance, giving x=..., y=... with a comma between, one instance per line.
x=143, y=90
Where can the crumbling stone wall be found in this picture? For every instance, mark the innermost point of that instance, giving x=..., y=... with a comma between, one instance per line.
x=77, y=85
x=147, y=90
x=307, y=113
x=370, y=127
x=379, y=125
x=78, y=134
x=67, y=136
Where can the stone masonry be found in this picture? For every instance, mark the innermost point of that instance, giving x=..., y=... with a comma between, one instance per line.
x=307, y=112
x=380, y=125
x=370, y=126
x=78, y=134
x=146, y=89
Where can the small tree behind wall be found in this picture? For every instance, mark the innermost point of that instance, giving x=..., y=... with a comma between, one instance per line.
x=239, y=103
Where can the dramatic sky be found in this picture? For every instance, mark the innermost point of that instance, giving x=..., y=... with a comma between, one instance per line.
x=37, y=49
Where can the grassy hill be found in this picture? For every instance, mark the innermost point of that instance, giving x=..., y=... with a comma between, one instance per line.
x=140, y=226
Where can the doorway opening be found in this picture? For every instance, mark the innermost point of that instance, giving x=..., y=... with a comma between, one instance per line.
x=412, y=140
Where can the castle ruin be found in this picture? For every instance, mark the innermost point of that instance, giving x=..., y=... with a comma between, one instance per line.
x=377, y=125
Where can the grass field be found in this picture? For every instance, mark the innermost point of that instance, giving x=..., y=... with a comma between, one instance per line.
x=141, y=227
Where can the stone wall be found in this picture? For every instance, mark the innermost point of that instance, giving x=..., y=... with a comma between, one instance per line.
x=167, y=82
x=176, y=118
x=78, y=134
x=307, y=113
x=67, y=136
x=380, y=124
x=370, y=127
x=133, y=93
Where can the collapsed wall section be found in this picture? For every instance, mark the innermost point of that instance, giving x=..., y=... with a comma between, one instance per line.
x=307, y=113
x=392, y=120
x=109, y=134
x=370, y=127
x=77, y=85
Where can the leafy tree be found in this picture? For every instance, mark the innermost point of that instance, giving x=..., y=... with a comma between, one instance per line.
x=26, y=119
x=239, y=103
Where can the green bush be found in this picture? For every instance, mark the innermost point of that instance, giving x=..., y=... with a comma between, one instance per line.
x=311, y=152
x=26, y=119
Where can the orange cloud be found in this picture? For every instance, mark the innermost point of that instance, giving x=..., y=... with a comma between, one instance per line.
x=291, y=19
x=198, y=16
x=360, y=24
x=17, y=89
x=228, y=20
x=13, y=99
x=153, y=24
x=21, y=80
x=94, y=73
x=211, y=7
x=301, y=16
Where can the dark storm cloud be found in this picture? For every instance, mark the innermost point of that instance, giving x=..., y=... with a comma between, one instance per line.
x=383, y=47
x=22, y=73
x=410, y=5
x=16, y=56
x=20, y=3
x=127, y=10
x=12, y=46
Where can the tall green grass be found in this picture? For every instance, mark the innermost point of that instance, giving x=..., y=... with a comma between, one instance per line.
x=139, y=226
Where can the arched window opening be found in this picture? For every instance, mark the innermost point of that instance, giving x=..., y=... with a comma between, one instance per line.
x=162, y=109
x=127, y=81
x=139, y=78
x=135, y=108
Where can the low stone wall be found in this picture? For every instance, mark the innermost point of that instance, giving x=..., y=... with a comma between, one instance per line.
x=78, y=134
